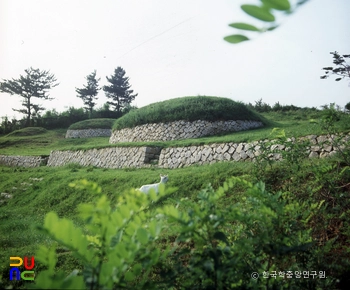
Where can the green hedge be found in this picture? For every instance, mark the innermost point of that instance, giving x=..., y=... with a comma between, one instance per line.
x=102, y=123
x=188, y=109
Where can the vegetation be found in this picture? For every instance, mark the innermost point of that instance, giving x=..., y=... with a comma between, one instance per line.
x=188, y=109
x=119, y=91
x=265, y=12
x=35, y=84
x=342, y=69
x=29, y=131
x=207, y=230
x=89, y=92
x=57, y=120
x=101, y=123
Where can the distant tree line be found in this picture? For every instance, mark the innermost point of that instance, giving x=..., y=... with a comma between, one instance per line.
x=35, y=85
x=52, y=119
x=263, y=107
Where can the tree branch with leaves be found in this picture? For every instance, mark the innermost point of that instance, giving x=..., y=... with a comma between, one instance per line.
x=342, y=68
x=265, y=12
x=34, y=84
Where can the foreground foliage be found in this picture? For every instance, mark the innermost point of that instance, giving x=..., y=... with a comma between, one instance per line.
x=213, y=248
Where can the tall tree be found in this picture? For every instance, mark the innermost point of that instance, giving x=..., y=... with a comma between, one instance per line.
x=119, y=90
x=89, y=92
x=342, y=68
x=34, y=84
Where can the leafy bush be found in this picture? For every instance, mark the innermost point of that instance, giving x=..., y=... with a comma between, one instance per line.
x=213, y=248
x=102, y=123
x=189, y=109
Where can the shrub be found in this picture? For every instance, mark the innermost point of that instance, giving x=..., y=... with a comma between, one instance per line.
x=213, y=248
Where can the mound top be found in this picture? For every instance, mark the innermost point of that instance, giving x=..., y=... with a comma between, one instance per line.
x=98, y=123
x=204, y=108
x=29, y=131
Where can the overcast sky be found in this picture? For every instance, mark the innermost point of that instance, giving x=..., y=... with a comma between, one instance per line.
x=174, y=48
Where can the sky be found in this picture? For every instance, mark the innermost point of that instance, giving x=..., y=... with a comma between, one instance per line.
x=172, y=49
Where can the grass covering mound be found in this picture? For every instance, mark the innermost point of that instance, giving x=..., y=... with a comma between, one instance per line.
x=188, y=109
x=29, y=131
x=100, y=123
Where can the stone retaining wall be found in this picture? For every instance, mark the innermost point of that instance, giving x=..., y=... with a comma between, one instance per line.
x=87, y=133
x=180, y=130
x=112, y=157
x=177, y=157
x=24, y=161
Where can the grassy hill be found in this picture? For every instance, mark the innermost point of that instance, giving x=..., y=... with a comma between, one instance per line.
x=324, y=182
x=188, y=109
x=99, y=123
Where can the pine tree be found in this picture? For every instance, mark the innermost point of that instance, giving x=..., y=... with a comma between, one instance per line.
x=119, y=90
x=35, y=84
x=89, y=92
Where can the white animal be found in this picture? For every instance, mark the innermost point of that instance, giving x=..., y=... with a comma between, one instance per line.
x=155, y=186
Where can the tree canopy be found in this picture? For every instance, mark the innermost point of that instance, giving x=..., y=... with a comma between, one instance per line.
x=89, y=92
x=119, y=91
x=34, y=84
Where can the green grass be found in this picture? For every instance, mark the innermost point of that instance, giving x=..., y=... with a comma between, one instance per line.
x=42, y=144
x=29, y=131
x=33, y=199
x=100, y=123
x=188, y=109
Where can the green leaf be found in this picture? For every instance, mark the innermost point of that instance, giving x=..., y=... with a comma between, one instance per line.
x=272, y=27
x=129, y=276
x=244, y=26
x=282, y=5
x=258, y=12
x=236, y=38
x=142, y=235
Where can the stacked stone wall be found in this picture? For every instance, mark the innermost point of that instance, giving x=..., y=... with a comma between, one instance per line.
x=23, y=161
x=179, y=130
x=88, y=133
x=177, y=157
x=111, y=157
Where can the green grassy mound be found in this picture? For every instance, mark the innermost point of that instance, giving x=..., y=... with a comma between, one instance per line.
x=29, y=131
x=188, y=109
x=102, y=123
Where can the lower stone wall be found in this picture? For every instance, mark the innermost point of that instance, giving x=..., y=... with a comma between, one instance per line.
x=180, y=130
x=23, y=161
x=112, y=157
x=88, y=133
x=177, y=157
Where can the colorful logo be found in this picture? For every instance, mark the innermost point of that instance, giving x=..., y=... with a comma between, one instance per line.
x=25, y=275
